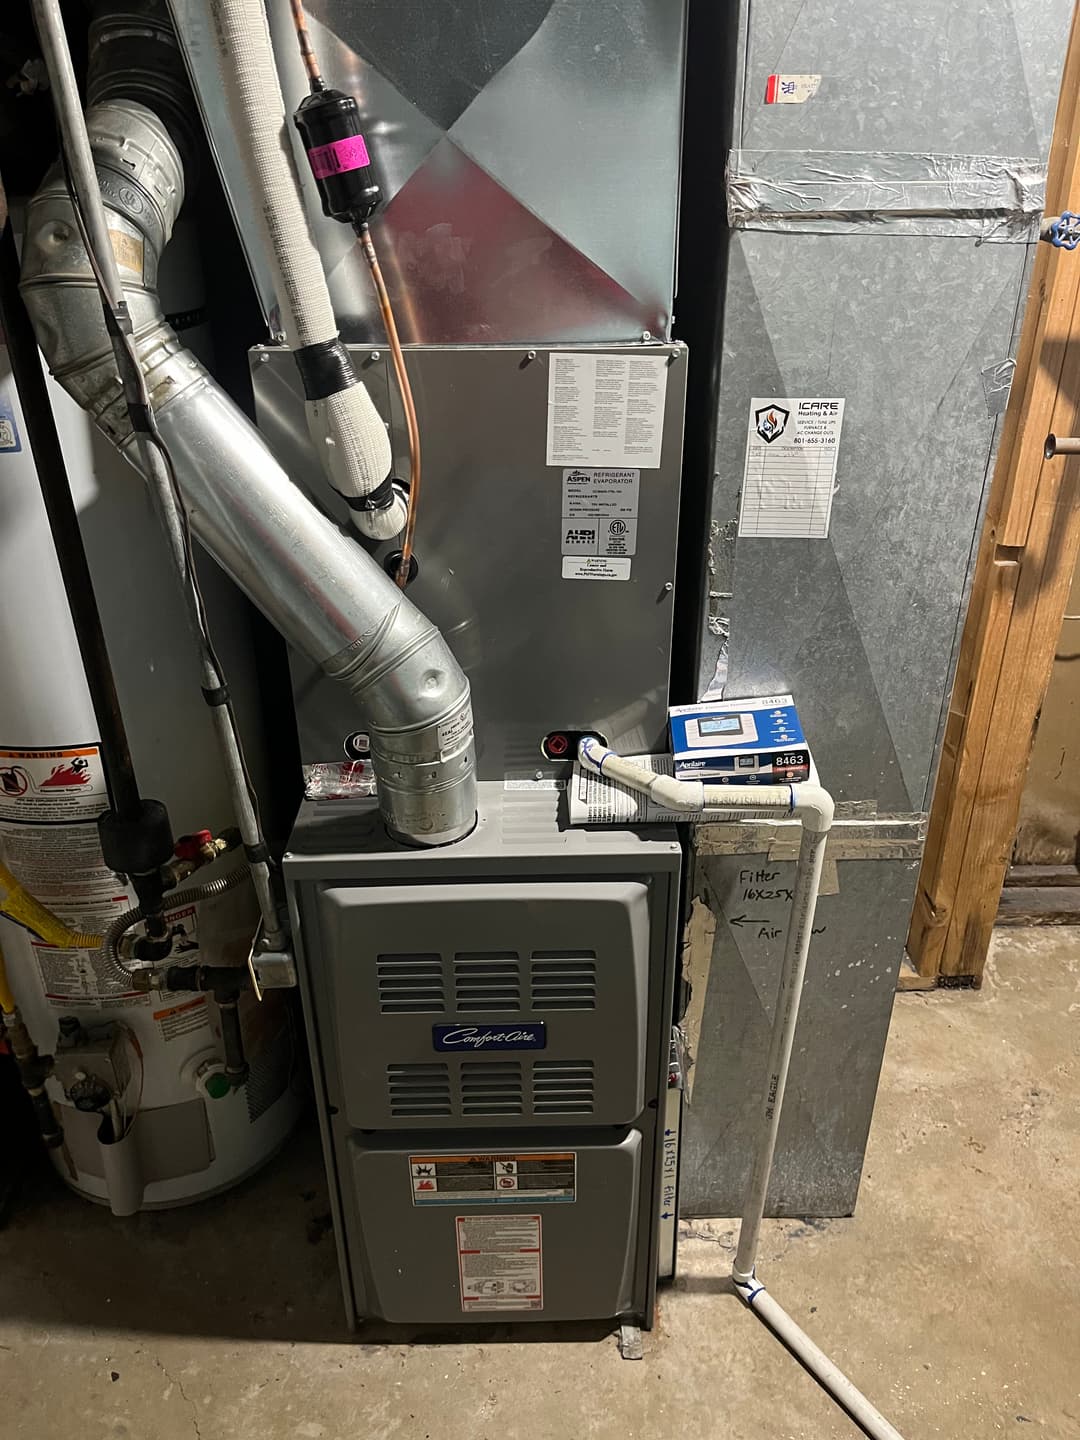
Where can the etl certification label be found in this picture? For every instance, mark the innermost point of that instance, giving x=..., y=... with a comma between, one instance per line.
x=500, y=1262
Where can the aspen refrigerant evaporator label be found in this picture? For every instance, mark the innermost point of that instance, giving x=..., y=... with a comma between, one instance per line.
x=502, y=1179
x=500, y=1262
x=599, y=512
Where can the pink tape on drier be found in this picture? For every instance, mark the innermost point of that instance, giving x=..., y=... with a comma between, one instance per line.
x=339, y=156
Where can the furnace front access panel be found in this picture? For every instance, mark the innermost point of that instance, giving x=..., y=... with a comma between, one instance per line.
x=490, y=1024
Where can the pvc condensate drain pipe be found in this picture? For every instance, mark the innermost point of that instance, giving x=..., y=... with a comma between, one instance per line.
x=814, y=807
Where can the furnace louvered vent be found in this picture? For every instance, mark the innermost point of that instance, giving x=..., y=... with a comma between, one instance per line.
x=491, y=1087
x=563, y=979
x=562, y=1087
x=411, y=984
x=487, y=980
x=419, y=1090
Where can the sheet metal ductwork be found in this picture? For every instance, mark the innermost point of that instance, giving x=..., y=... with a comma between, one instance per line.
x=316, y=584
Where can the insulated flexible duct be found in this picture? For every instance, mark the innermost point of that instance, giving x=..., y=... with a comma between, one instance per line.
x=345, y=427
x=324, y=593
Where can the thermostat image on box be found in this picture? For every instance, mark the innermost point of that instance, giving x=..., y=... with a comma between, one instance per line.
x=751, y=741
x=713, y=730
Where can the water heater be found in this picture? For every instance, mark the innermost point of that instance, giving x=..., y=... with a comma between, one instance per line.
x=119, y=1053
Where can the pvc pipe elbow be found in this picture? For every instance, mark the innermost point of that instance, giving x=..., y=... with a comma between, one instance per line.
x=747, y=1287
x=814, y=807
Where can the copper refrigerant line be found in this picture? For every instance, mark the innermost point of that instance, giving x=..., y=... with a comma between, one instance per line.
x=367, y=246
x=307, y=49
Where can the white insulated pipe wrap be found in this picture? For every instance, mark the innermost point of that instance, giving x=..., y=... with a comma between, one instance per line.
x=349, y=437
x=257, y=109
x=354, y=447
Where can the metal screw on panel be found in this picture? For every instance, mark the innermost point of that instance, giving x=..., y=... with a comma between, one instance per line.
x=646, y=334
x=539, y=775
x=263, y=359
x=531, y=355
x=375, y=355
x=668, y=587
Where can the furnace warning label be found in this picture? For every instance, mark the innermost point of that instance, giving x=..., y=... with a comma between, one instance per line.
x=500, y=1262
x=52, y=787
x=599, y=512
x=606, y=409
x=504, y=1179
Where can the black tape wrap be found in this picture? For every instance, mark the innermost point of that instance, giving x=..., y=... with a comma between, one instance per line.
x=325, y=368
x=381, y=498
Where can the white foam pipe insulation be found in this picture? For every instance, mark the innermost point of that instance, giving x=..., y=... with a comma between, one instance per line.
x=813, y=806
x=345, y=428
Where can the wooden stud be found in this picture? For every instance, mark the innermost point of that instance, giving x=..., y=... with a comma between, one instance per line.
x=1027, y=555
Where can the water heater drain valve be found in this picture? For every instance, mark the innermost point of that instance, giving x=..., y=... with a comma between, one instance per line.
x=205, y=1072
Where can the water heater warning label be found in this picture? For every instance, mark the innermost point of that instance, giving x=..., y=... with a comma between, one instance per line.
x=503, y=1179
x=52, y=787
x=500, y=1262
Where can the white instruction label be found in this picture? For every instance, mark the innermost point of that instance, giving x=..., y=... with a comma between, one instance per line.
x=594, y=567
x=788, y=481
x=74, y=979
x=599, y=512
x=606, y=409
x=500, y=1262
x=451, y=732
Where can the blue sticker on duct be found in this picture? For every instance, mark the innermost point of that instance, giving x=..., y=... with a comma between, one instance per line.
x=470, y=1039
x=10, y=443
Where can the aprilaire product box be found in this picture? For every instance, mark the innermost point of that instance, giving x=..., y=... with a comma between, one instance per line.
x=740, y=742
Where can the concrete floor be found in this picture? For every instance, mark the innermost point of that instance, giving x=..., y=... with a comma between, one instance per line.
x=952, y=1297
